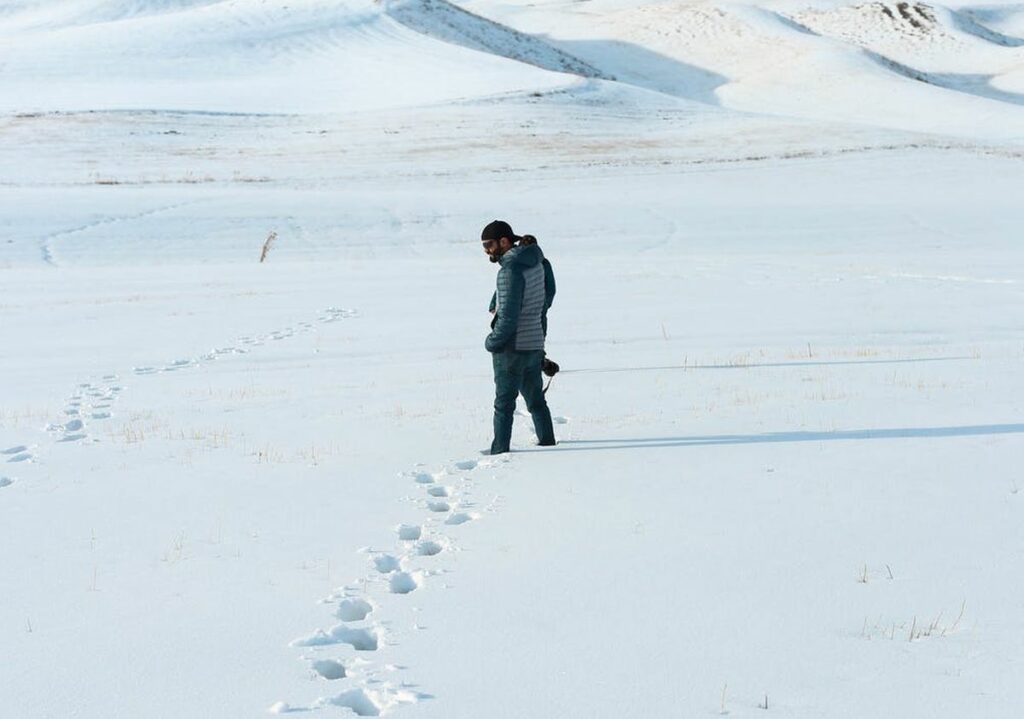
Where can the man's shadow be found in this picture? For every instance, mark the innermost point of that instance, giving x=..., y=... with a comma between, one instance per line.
x=587, y=445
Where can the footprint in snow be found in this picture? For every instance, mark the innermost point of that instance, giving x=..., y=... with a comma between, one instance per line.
x=438, y=491
x=458, y=518
x=358, y=701
x=353, y=610
x=100, y=415
x=176, y=365
x=362, y=640
x=333, y=314
x=466, y=464
x=15, y=450
x=560, y=420
x=372, y=703
x=428, y=548
x=423, y=478
x=438, y=506
x=73, y=431
x=330, y=669
x=144, y=370
x=386, y=563
x=409, y=532
x=20, y=457
x=403, y=582
x=6, y=482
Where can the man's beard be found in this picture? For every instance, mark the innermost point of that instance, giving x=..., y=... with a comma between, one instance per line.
x=494, y=258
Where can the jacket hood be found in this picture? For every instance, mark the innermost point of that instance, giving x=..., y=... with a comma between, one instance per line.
x=523, y=255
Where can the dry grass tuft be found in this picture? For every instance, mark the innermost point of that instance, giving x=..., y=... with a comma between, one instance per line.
x=267, y=244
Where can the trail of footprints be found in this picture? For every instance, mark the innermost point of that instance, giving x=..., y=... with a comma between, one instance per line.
x=417, y=557
x=94, y=402
x=245, y=344
x=91, y=402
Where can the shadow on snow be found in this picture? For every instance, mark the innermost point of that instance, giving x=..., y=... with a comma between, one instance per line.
x=577, y=445
x=753, y=365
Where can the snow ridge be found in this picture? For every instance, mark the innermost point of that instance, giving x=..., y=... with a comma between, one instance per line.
x=968, y=21
x=933, y=45
x=442, y=20
x=35, y=15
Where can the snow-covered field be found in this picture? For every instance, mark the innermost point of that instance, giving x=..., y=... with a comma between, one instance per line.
x=790, y=278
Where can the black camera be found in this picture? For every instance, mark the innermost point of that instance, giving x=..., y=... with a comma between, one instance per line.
x=549, y=367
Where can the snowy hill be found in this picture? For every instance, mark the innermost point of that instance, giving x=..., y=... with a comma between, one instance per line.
x=890, y=65
x=786, y=237
x=246, y=56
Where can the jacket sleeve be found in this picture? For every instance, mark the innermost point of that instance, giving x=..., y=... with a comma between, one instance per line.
x=511, y=287
x=549, y=285
x=549, y=295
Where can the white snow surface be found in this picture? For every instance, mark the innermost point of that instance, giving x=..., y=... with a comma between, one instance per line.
x=787, y=243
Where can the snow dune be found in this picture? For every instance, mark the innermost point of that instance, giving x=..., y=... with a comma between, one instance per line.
x=1004, y=20
x=934, y=45
x=251, y=56
x=889, y=65
x=885, y=64
x=450, y=23
x=33, y=15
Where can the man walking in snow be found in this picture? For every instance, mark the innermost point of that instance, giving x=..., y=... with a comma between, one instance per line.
x=526, y=289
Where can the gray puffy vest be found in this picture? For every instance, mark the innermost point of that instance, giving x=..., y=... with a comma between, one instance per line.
x=530, y=331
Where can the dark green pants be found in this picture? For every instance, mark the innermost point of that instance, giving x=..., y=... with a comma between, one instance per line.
x=519, y=373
